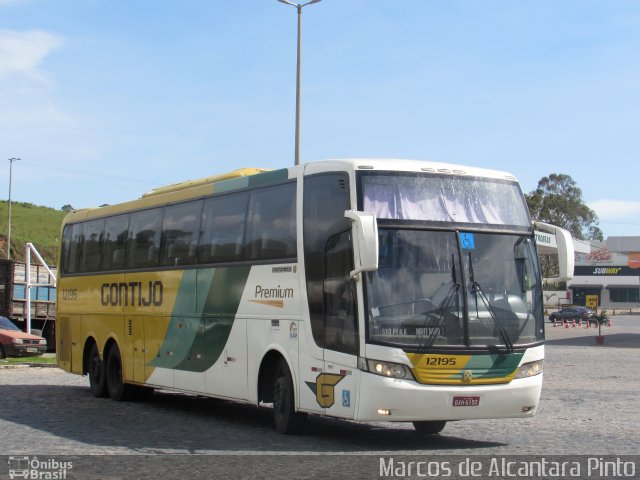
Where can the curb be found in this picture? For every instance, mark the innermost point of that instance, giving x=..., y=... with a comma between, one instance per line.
x=28, y=365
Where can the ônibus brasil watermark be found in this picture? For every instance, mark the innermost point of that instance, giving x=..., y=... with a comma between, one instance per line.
x=33, y=468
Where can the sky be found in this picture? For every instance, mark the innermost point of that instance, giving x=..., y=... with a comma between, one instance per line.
x=105, y=100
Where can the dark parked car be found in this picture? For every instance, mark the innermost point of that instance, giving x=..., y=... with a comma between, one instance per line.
x=15, y=342
x=573, y=313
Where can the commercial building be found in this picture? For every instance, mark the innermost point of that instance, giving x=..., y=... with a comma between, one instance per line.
x=610, y=270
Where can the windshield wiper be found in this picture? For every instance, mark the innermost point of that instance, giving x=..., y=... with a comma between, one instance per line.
x=476, y=289
x=444, y=306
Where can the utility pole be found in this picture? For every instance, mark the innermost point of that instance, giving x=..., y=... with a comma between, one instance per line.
x=298, y=6
x=11, y=160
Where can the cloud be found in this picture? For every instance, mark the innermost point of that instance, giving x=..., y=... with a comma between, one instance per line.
x=618, y=217
x=612, y=210
x=22, y=53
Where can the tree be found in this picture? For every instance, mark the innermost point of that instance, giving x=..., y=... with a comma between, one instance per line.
x=558, y=201
x=67, y=208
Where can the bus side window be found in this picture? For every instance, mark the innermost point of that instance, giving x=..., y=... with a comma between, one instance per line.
x=180, y=234
x=75, y=248
x=64, y=250
x=222, y=228
x=326, y=197
x=114, y=242
x=339, y=295
x=271, y=229
x=144, y=238
x=92, y=251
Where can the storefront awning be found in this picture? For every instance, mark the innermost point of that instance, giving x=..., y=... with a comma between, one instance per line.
x=583, y=281
x=622, y=282
x=601, y=281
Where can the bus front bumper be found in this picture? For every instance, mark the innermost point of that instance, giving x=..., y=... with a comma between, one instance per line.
x=394, y=400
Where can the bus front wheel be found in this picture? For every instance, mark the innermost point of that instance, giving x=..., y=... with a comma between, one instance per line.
x=97, y=380
x=286, y=419
x=429, y=428
x=118, y=390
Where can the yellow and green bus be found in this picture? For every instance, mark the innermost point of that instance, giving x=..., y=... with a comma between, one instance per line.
x=372, y=290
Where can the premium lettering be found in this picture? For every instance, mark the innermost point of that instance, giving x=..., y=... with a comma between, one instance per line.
x=132, y=293
x=277, y=292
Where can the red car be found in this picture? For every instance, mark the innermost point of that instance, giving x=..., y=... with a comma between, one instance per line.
x=15, y=342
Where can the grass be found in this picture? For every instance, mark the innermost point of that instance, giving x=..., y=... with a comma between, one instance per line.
x=40, y=359
x=34, y=224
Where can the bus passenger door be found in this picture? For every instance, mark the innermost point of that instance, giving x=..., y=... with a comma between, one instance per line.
x=338, y=388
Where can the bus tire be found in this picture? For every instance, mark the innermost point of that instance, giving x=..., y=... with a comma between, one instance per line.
x=430, y=427
x=97, y=373
x=285, y=417
x=118, y=390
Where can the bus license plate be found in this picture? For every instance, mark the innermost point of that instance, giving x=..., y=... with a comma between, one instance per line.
x=32, y=350
x=466, y=401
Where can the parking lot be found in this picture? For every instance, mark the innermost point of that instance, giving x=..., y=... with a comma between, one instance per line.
x=588, y=407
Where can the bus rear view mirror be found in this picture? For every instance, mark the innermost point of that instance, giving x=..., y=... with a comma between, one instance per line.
x=564, y=242
x=365, y=235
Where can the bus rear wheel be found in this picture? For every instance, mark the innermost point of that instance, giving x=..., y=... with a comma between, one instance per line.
x=97, y=374
x=118, y=390
x=285, y=417
x=430, y=427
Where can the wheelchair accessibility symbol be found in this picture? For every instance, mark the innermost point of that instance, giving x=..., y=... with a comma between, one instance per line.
x=346, y=398
x=468, y=241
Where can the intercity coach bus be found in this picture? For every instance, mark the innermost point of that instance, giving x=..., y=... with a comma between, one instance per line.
x=372, y=290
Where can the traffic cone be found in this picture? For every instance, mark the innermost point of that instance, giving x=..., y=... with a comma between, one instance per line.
x=609, y=322
x=573, y=323
x=588, y=323
x=580, y=322
x=555, y=322
x=566, y=325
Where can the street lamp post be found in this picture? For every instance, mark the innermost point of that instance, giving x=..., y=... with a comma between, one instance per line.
x=299, y=7
x=11, y=160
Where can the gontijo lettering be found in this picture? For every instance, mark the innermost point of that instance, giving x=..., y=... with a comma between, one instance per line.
x=132, y=293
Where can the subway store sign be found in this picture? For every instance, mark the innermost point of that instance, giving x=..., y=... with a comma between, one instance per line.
x=606, y=271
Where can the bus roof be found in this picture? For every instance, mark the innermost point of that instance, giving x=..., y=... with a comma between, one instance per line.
x=246, y=177
x=408, y=165
x=241, y=172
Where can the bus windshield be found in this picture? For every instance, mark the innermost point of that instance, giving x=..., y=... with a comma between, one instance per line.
x=444, y=198
x=447, y=289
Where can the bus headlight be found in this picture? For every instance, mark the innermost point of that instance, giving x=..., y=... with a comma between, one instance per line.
x=530, y=369
x=386, y=369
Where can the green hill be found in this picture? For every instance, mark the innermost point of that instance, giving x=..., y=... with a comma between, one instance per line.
x=31, y=223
